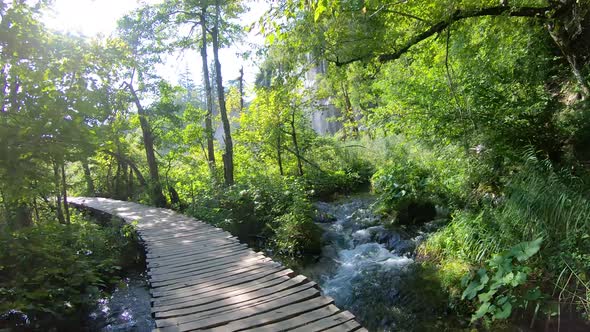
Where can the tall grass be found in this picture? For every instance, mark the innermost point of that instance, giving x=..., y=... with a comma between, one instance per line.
x=538, y=201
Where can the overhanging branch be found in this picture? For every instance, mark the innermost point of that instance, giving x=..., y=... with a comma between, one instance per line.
x=535, y=12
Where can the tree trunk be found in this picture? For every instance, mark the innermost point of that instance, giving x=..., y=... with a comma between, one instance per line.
x=64, y=192
x=58, y=208
x=208, y=93
x=350, y=112
x=241, y=89
x=88, y=177
x=228, y=157
x=279, y=156
x=296, y=145
x=158, y=198
x=130, y=183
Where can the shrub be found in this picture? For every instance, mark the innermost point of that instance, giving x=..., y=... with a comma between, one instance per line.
x=416, y=176
x=51, y=271
x=538, y=202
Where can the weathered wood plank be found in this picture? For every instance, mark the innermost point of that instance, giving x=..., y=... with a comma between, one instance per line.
x=188, y=252
x=162, y=275
x=276, y=315
x=198, y=263
x=299, y=320
x=326, y=323
x=179, y=295
x=230, y=292
x=240, y=301
x=175, y=260
x=351, y=325
x=193, y=322
x=235, y=268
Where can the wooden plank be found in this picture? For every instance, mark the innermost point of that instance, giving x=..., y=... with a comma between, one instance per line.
x=173, y=235
x=214, y=275
x=199, y=260
x=295, y=285
x=170, y=297
x=299, y=320
x=351, y=325
x=326, y=323
x=229, y=292
x=275, y=315
x=191, y=246
x=172, y=230
x=189, y=322
x=182, y=262
x=187, y=241
x=240, y=307
x=197, y=257
x=164, y=274
x=192, y=252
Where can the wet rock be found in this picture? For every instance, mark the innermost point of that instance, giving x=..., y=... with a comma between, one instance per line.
x=14, y=319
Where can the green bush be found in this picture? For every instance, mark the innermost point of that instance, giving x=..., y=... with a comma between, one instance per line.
x=272, y=208
x=538, y=202
x=51, y=271
x=415, y=174
x=338, y=167
x=295, y=231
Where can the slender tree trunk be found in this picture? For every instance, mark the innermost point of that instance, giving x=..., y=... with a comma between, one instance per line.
x=241, y=89
x=130, y=183
x=88, y=177
x=148, y=140
x=58, y=208
x=228, y=157
x=117, y=193
x=36, y=210
x=296, y=145
x=350, y=112
x=279, y=156
x=64, y=192
x=208, y=93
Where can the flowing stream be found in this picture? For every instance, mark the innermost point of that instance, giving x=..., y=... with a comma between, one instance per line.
x=127, y=308
x=369, y=269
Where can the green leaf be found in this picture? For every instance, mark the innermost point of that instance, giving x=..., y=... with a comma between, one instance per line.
x=319, y=10
x=481, y=311
x=525, y=250
x=505, y=312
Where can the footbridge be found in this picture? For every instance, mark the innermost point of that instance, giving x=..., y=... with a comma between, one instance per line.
x=202, y=278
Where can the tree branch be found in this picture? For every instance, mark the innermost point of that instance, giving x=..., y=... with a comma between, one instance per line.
x=535, y=12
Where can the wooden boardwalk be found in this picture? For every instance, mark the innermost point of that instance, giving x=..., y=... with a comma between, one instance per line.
x=203, y=278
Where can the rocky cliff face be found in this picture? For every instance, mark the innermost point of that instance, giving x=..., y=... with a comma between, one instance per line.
x=324, y=114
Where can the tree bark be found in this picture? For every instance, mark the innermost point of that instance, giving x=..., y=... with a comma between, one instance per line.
x=64, y=192
x=296, y=145
x=228, y=157
x=241, y=89
x=58, y=207
x=208, y=93
x=350, y=112
x=132, y=165
x=279, y=156
x=88, y=177
x=158, y=198
x=130, y=183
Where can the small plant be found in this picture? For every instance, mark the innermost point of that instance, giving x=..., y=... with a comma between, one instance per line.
x=498, y=288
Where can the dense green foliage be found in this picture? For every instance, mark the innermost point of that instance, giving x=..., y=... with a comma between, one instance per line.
x=52, y=272
x=474, y=113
